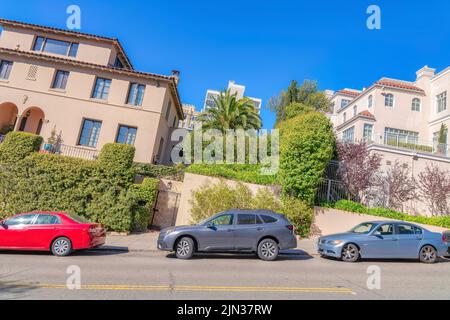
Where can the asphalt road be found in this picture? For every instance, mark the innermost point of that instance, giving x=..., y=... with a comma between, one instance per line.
x=156, y=275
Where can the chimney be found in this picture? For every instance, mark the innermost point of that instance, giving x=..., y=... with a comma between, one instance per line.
x=176, y=75
x=425, y=72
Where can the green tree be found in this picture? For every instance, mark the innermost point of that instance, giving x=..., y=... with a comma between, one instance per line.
x=307, y=95
x=231, y=113
x=307, y=144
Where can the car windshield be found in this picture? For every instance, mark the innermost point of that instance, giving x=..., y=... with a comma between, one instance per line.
x=77, y=218
x=364, y=228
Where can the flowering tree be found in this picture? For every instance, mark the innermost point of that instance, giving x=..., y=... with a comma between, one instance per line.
x=434, y=188
x=358, y=167
x=396, y=186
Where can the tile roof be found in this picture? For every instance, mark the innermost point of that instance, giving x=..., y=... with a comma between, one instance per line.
x=398, y=84
x=366, y=114
x=115, y=41
x=349, y=93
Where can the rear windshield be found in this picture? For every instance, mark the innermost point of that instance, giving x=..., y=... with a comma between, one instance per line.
x=77, y=218
x=268, y=219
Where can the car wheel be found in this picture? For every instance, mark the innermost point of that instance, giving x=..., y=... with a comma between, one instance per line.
x=428, y=254
x=268, y=250
x=350, y=253
x=185, y=248
x=61, y=247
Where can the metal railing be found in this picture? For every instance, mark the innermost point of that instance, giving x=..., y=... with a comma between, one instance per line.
x=413, y=143
x=71, y=151
x=332, y=191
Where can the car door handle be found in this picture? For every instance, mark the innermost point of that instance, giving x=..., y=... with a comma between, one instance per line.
x=260, y=229
x=394, y=239
x=230, y=230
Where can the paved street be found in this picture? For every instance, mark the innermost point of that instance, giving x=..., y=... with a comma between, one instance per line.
x=156, y=275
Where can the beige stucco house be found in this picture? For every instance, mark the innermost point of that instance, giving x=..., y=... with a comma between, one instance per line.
x=84, y=89
x=400, y=120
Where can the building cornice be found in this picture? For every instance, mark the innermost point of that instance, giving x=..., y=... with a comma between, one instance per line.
x=70, y=33
x=171, y=80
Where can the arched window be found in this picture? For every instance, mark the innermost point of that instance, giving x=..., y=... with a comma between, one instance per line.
x=370, y=102
x=389, y=100
x=415, y=104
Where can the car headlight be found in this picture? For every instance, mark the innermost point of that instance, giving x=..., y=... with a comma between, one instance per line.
x=335, y=242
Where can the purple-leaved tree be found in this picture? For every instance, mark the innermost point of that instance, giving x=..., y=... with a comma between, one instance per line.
x=434, y=189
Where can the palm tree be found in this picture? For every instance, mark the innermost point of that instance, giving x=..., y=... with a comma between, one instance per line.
x=231, y=113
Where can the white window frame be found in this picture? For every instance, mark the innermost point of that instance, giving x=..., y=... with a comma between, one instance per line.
x=438, y=99
x=386, y=100
x=414, y=105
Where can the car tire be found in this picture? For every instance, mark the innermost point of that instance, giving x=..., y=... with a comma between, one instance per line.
x=62, y=247
x=268, y=250
x=185, y=248
x=428, y=254
x=350, y=253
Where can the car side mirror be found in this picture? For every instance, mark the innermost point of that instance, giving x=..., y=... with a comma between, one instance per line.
x=210, y=225
x=3, y=225
x=377, y=234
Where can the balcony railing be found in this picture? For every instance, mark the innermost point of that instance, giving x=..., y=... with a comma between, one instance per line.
x=71, y=151
x=413, y=143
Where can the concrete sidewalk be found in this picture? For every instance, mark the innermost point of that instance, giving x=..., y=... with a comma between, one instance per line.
x=146, y=242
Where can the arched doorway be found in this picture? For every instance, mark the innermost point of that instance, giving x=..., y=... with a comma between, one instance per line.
x=31, y=121
x=8, y=117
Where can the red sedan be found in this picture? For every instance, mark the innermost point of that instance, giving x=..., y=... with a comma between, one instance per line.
x=60, y=233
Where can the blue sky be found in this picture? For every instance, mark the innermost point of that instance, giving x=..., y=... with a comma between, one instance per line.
x=261, y=44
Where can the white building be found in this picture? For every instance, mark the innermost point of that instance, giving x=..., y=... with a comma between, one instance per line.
x=234, y=88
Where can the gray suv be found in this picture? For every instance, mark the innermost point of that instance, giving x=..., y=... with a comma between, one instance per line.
x=262, y=232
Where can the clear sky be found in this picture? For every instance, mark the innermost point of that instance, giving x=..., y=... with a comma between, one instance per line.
x=259, y=43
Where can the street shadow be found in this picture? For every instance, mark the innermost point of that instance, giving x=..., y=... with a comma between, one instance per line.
x=107, y=251
x=411, y=261
x=13, y=290
x=295, y=255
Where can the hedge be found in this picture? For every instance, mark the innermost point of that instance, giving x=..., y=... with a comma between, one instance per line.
x=159, y=171
x=238, y=172
x=102, y=191
x=350, y=206
x=307, y=145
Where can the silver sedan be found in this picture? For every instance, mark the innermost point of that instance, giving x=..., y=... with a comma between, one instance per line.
x=385, y=240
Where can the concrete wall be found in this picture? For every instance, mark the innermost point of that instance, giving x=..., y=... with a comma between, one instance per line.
x=193, y=182
x=331, y=221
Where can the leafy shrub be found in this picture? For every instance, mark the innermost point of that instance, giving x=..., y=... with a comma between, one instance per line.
x=238, y=172
x=307, y=144
x=351, y=206
x=145, y=194
x=18, y=145
x=98, y=190
x=299, y=213
x=158, y=171
x=347, y=205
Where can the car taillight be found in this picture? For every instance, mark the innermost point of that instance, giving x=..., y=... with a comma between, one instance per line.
x=290, y=227
x=444, y=238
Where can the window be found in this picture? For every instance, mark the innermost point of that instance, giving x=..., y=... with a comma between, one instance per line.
x=389, y=100
x=126, y=135
x=54, y=46
x=159, y=156
x=60, y=80
x=349, y=134
x=20, y=220
x=417, y=230
x=136, y=94
x=5, y=69
x=90, y=133
x=224, y=220
x=246, y=219
x=101, y=89
x=344, y=103
x=386, y=230
x=344, y=117
x=405, y=229
x=169, y=106
x=363, y=228
x=118, y=63
x=368, y=132
x=47, y=219
x=175, y=122
x=437, y=135
x=370, y=102
x=355, y=110
x=441, y=101
x=415, y=105
x=398, y=137
x=268, y=219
